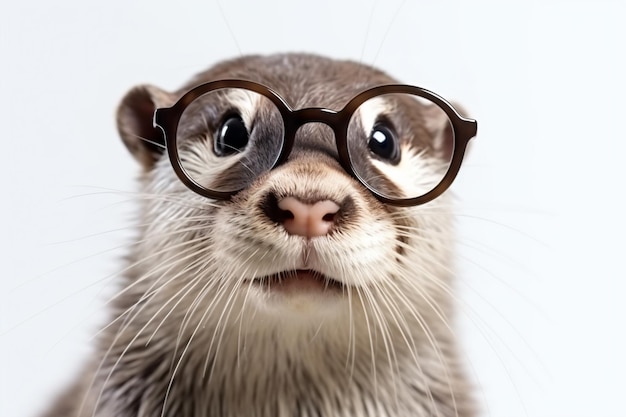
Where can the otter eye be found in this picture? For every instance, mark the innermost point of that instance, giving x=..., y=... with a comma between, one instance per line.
x=383, y=142
x=232, y=136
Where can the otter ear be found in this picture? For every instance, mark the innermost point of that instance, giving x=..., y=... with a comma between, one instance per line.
x=438, y=124
x=134, y=122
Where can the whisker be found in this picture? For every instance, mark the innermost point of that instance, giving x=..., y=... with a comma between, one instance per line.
x=432, y=340
x=461, y=303
x=368, y=326
x=150, y=141
x=230, y=30
x=187, y=345
x=387, y=340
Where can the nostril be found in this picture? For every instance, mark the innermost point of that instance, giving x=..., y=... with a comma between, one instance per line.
x=329, y=217
x=285, y=214
x=275, y=213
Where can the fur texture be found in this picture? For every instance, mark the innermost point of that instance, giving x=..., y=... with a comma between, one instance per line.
x=199, y=330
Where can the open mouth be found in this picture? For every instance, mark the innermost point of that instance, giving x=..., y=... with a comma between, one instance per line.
x=302, y=280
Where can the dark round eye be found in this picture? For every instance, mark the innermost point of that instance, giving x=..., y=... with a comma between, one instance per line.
x=383, y=143
x=231, y=137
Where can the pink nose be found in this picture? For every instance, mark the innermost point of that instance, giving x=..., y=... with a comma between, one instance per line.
x=309, y=220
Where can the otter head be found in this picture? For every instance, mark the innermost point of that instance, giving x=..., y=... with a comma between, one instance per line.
x=304, y=272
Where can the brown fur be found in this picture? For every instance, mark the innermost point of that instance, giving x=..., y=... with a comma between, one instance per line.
x=382, y=346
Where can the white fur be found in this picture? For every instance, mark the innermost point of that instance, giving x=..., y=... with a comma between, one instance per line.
x=415, y=174
x=194, y=335
x=369, y=112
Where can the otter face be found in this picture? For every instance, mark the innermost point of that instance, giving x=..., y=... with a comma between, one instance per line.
x=303, y=261
x=305, y=232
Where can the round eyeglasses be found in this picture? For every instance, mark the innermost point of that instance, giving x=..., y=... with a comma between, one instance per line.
x=222, y=135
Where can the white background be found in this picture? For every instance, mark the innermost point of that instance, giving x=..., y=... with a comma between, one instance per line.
x=540, y=197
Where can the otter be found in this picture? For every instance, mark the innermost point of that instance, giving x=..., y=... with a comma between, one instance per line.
x=295, y=250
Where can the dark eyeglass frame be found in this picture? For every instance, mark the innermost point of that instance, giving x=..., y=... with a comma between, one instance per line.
x=464, y=129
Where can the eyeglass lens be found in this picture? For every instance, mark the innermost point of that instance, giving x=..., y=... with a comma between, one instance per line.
x=400, y=145
x=226, y=138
